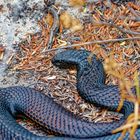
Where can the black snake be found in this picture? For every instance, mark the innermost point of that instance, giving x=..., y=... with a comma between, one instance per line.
x=42, y=109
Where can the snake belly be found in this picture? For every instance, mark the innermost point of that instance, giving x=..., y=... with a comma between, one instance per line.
x=43, y=110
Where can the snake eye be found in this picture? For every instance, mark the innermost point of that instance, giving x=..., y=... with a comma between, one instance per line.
x=58, y=64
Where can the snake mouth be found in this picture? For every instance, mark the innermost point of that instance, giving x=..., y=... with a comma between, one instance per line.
x=56, y=63
x=61, y=64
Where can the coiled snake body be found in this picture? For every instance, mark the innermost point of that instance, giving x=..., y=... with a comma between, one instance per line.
x=42, y=109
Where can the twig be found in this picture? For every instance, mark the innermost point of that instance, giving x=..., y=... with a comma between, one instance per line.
x=129, y=18
x=118, y=27
x=133, y=12
x=93, y=42
x=50, y=8
x=54, y=27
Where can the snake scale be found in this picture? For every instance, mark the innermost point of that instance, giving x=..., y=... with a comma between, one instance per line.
x=42, y=109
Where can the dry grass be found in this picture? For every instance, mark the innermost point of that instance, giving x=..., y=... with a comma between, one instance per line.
x=133, y=120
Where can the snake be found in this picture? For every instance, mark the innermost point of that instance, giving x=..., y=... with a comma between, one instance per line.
x=51, y=115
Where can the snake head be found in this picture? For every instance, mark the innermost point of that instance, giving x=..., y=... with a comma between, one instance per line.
x=66, y=59
x=61, y=60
